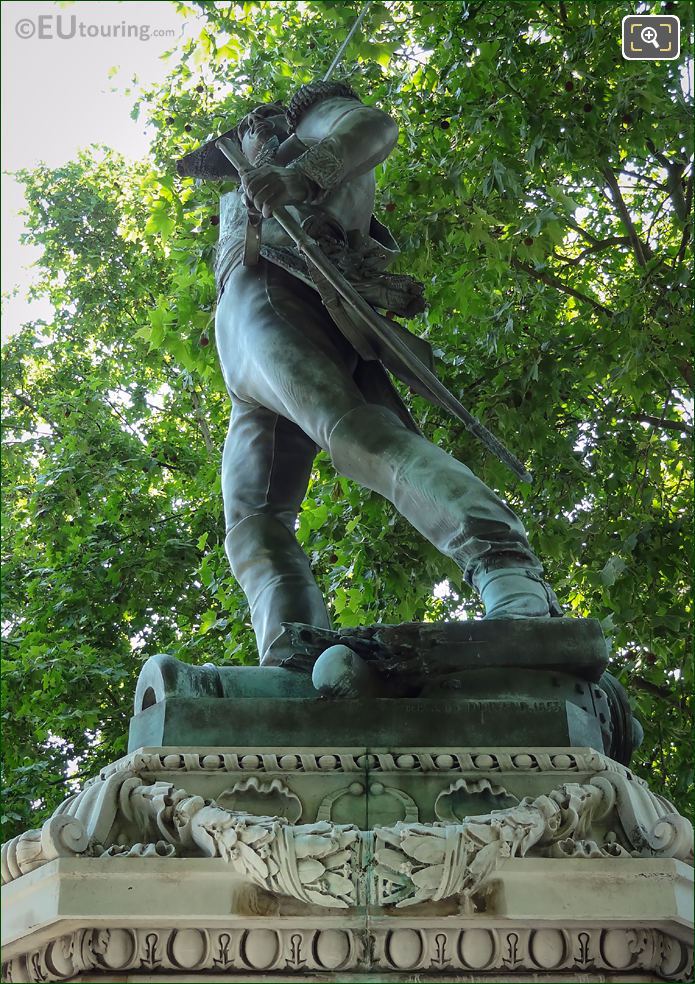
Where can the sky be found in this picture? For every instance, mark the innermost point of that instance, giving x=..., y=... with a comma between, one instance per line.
x=57, y=98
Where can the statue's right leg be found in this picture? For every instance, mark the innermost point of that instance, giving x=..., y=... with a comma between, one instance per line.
x=265, y=470
x=449, y=505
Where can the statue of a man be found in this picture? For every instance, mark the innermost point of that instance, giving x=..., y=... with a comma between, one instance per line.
x=300, y=379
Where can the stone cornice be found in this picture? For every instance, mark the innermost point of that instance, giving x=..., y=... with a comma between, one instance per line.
x=597, y=931
x=289, y=846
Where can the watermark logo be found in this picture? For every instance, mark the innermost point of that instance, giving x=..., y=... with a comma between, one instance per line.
x=49, y=27
x=651, y=38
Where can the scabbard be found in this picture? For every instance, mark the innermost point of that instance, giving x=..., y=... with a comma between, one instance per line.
x=349, y=328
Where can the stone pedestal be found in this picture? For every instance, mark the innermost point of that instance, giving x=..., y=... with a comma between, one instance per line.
x=469, y=817
x=361, y=863
x=526, y=682
x=190, y=919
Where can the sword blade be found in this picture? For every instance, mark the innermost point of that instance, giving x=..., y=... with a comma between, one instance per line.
x=346, y=42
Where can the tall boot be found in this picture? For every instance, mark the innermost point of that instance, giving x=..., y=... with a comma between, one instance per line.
x=439, y=495
x=515, y=592
x=276, y=577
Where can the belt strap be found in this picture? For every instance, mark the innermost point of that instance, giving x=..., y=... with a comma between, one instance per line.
x=345, y=324
x=252, y=239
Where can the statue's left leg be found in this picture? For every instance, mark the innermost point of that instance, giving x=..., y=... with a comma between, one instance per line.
x=265, y=470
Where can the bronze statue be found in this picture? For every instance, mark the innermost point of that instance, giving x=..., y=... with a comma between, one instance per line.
x=302, y=373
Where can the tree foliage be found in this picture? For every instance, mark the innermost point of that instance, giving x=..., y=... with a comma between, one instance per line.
x=542, y=189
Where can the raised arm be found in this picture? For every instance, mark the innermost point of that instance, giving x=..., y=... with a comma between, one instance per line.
x=344, y=139
x=359, y=136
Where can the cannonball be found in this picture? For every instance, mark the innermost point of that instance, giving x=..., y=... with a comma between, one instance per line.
x=340, y=672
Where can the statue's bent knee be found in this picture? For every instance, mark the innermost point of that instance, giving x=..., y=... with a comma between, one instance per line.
x=254, y=538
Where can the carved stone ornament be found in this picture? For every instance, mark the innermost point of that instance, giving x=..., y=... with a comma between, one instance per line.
x=590, y=952
x=422, y=862
x=478, y=762
x=457, y=802
x=312, y=862
x=324, y=863
x=274, y=797
x=432, y=887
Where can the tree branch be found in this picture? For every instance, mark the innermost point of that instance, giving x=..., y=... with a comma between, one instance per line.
x=27, y=440
x=642, y=177
x=662, y=692
x=689, y=193
x=686, y=371
x=687, y=230
x=685, y=239
x=582, y=232
x=673, y=425
x=641, y=250
x=30, y=406
x=562, y=10
x=674, y=184
x=662, y=158
x=202, y=423
x=600, y=244
x=655, y=215
x=552, y=281
x=122, y=418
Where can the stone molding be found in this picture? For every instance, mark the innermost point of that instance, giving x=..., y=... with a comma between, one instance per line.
x=325, y=863
x=393, y=897
x=407, y=947
x=325, y=761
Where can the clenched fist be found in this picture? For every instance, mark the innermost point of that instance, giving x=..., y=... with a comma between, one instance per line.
x=269, y=186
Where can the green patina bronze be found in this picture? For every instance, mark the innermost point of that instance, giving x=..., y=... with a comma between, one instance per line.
x=524, y=682
x=304, y=374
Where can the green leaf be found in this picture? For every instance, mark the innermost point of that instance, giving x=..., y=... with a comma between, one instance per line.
x=612, y=569
x=208, y=621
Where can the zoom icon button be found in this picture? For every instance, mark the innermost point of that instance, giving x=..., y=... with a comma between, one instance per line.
x=651, y=38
